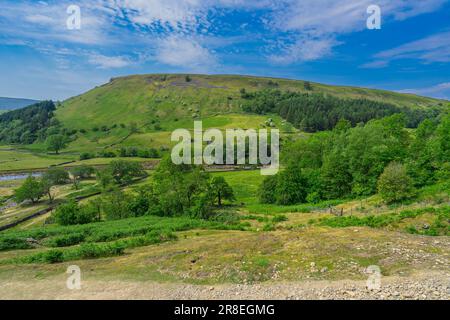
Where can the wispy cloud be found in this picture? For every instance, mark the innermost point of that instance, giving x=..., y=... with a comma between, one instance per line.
x=323, y=21
x=441, y=91
x=434, y=48
x=39, y=22
x=304, y=49
x=305, y=30
x=106, y=62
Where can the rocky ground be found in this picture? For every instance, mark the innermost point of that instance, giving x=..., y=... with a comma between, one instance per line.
x=425, y=286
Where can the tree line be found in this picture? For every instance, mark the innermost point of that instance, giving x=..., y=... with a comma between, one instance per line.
x=26, y=125
x=312, y=112
x=381, y=156
x=175, y=190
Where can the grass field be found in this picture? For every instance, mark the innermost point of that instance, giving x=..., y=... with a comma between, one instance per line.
x=18, y=160
x=267, y=243
x=262, y=242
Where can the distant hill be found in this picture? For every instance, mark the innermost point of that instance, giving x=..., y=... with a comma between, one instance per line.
x=157, y=104
x=172, y=98
x=15, y=103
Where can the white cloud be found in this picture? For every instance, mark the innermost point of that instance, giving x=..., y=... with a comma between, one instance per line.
x=184, y=52
x=181, y=15
x=323, y=20
x=174, y=14
x=39, y=19
x=304, y=30
x=105, y=62
x=304, y=50
x=41, y=22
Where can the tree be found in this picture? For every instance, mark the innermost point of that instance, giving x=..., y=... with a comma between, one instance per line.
x=307, y=86
x=72, y=213
x=422, y=160
x=56, y=143
x=116, y=205
x=335, y=176
x=81, y=172
x=267, y=189
x=46, y=187
x=291, y=187
x=221, y=190
x=31, y=190
x=105, y=178
x=51, y=178
x=394, y=184
x=27, y=125
x=124, y=171
x=57, y=176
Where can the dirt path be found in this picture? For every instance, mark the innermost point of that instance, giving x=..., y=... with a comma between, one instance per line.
x=434, y=285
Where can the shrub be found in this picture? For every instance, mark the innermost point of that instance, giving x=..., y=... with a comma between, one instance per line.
x=66, y=240
x=267, y=190
x=92, y=251
x=107, y=154
x=394, y=184
x=117, y=206
x=53, y=256
x=71, y=213
x=82, y=172
x=13, y=243
x=86, y=156
x=279, y=218
x=269, y=227
x=291, y=187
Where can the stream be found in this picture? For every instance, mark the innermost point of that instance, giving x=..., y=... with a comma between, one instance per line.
x=19, y=176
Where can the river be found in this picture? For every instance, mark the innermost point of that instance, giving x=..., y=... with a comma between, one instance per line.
x=19, y=176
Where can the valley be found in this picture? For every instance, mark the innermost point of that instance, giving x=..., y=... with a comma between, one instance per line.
x=372, y=190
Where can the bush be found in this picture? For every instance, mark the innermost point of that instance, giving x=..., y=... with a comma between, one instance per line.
x=279, y=218
x=13, y=243
x=394, y=184
x=117, y=205
x=71, y=213
x=269, y=227
x=267, y=190
x=82, y=172
x=92, y=251
x=87, y=156
x=291, y=187
x=53, y=256
x=107, y=154
x=66, y=240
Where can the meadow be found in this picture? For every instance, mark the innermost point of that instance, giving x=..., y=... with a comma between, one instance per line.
x=247, y=241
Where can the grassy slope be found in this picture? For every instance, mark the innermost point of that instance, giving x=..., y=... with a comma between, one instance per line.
x=143, y=98
x=208, y=256
x=173, y=102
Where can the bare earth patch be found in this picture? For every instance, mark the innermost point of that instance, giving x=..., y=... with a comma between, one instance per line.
x=420, y=286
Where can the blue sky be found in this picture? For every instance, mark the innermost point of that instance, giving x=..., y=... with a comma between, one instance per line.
x=319, y=40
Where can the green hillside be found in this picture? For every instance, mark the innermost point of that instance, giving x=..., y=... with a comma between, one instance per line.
x=144, y=98
x=158, y=104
